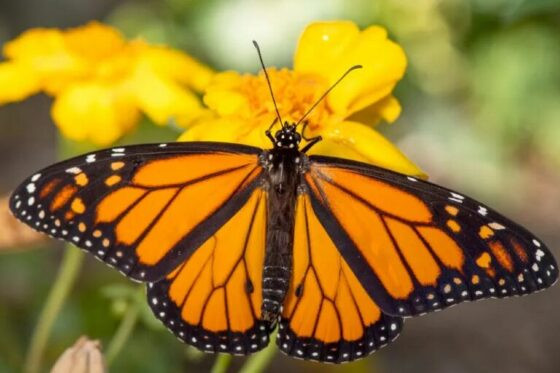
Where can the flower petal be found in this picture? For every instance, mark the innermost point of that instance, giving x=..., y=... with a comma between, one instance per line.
x=356, y=141
x=387, y=109
x=219, y=129
x=178, y=66
x=17, y=82
x=224, y=97
x=321, y=44
x=330, y=48
x=94, y=112
x=44, y=53
x=93, y=41
x=162, y=99
x=33, y=43
x=232, y=130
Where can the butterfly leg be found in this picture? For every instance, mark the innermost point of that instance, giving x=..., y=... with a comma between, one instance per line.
x=310, y=140
x=268, y=133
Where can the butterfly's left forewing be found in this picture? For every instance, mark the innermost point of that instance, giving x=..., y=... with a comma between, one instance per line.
x=142, y=209
x=417, y=247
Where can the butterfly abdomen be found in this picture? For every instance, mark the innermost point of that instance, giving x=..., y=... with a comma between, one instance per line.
x=276, y=279
x=282, y=185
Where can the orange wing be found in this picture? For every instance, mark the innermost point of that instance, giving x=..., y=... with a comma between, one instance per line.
x=328, y=316
x=417, y=247
x=142, y=209
x=213, y=299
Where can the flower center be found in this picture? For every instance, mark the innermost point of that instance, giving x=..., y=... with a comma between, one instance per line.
x=295, y=94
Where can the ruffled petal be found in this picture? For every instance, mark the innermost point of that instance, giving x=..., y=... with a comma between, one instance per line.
x=218, y=129
x=330, y=48
x=178, y=66
x=225, y=102
x=103, y=41
x=34, y=43
x=356, y=141
x=45, y=54
x=94, y=112
x=16, y=82
x=232, y=130
x=387, y=109
x=321, y=44
x=224, y=97
x=162, y=99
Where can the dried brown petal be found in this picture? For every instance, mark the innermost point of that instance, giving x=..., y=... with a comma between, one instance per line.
x=14, y=234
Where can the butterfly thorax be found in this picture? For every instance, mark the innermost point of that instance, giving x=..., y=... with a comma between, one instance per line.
x=284, y=169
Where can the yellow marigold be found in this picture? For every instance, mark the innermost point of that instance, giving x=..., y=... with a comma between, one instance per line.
x=101, y=81
x=243, y=109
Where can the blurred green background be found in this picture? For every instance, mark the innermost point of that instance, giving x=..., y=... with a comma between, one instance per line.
x=481, y=101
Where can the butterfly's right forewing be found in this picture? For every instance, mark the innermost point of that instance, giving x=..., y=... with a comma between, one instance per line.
x=417, y=247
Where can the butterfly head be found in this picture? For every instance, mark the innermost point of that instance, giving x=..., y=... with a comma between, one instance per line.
x=287, y=137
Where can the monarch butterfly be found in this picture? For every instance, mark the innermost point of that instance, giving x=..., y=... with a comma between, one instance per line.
x=234, y=241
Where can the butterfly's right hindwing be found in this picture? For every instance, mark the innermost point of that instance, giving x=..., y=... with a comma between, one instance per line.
x=328, y=316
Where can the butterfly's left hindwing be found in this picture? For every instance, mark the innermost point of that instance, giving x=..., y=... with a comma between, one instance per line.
x=417, y=247
x=142, y=209
x=213, y=299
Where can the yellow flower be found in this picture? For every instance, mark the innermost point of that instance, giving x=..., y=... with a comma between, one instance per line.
x=102, y=82
x=243, y=109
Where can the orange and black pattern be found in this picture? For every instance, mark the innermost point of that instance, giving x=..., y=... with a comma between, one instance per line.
x=418, y=247
x=328, y=316
x=370, y=246
x=213, y=300
x=141, y=209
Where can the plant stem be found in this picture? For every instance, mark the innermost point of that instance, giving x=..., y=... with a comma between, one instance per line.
x=125, y=329
x=221, y=364
x=258, y=362
x=67, y=273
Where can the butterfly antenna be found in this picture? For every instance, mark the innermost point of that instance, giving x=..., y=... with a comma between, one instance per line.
x=327, y=92
x=268, y=81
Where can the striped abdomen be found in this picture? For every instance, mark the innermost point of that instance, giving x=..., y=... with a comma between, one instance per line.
x=276, y=275
x=282, y=186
